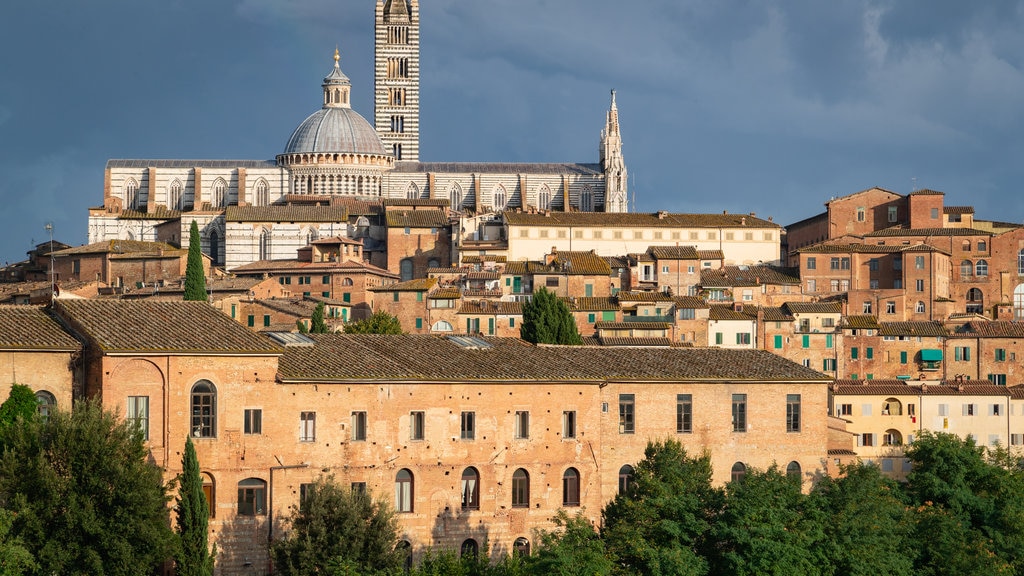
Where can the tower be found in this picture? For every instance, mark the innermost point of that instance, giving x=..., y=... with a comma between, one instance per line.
x=614, y=166
x=396, y=99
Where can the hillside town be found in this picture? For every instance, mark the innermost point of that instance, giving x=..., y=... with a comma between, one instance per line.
x=807, y=345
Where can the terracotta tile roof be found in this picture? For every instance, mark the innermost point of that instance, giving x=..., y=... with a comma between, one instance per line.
x=491, y=307
x=159, y=213
x=872, y=189
x=771, y=314
x=161, y=327
x=958, y=209
x=297, y=307
x=353, y=206
x=730, y=276
x=31, y=328
x=632, y=325
x=992, y=329
x=643, y=257
x=286, y=214
x=590, y=303
x=214, y=285
x=300, y=267
x=441, y=202
x=911, y=329
x=690, y=302
x=1016, y=392
x=926, y=192
x=726, y=313
x=900, y=231
x=447, y=293
x=414, y=285
x=479, y=259
x=655, y=342
x=711, y=254
x=673, y=252
x=586, y=263
x=638, y=220
x=516, y=268
x=352, y=357
x=860, y=322
x=873, y=388
x=616, y=261
x=483, y=275
x=416, y=219
x=122, y=246
x=825, y=248
x=652, y=296
x=815, y=307
x=912, y=387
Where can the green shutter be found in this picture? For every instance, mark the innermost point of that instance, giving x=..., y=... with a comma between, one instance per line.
x=903, y=357
x=828, y=340
x=419, y=323
x=869, y=353
x=490, y=326
x=778, y=341
x=853, y=353
x=806, y=341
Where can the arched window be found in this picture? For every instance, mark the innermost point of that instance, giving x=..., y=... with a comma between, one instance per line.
x=470, y=489
x=262, y=195
x=469, y=548
x=405, y=269
x=214, y=242
x=455, y=196
x=544, y=198
x=252, y=497
x=412, y=192
x=500, y=197
x=311, y=235
x=975, y=301
x=625, y=478
x=404, y=548
x=1018, y=302
x=587, y=199
x=892, y=407
x=403, y=491
x=265, y=247
x=892, y=437
x=442, y=326
x=739, y=471
x=174, y=195
x=1020, y=262
x=520, y=489
x=204, y=410
x=521, y=547
x=981, y=268
x=793, y=470
x=571, y=488
x=46, y=404
x=346, y=282
x=433, y=263
x=218, y=192
x=920, y=307
x=209, y=492
x=965, y=246
x=982, y=246
x=966, y=269
x=131, y=194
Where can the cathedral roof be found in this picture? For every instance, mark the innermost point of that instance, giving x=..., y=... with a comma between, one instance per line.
x=340, y=130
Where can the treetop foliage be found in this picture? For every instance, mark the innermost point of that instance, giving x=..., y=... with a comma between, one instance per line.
x=195, y=278
x=379, y=323
x=548, y=320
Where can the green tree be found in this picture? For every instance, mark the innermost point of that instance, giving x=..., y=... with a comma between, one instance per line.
x=20, y=403
x=548, y=320
x=658, y=525
x=335, y=530
x=86, y=498
x=572, y=549
x=768, y=527
x=869, y=527
x=316, y=320
x=193, y=557
x=195, y=279
x=15, y=559
x=379, y=323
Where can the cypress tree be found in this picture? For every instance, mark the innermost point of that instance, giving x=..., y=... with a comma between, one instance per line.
x=195, y=280
x=548, y=320
x=193, y=557
x=316, y=321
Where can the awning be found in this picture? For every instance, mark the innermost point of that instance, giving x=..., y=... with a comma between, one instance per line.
x=931, y=355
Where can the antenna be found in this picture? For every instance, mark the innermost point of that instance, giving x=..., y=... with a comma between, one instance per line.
x=913, y=185
x=53, y=284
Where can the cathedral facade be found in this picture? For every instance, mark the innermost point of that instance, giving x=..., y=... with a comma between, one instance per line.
x=250, y=210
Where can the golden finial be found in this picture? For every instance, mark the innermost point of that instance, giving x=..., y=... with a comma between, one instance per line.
x=337, y=56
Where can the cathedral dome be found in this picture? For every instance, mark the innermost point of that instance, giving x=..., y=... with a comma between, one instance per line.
x=335, y=128
x=332, y=129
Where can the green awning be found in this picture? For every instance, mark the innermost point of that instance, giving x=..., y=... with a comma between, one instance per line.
x=931, y=355
x=903, y=377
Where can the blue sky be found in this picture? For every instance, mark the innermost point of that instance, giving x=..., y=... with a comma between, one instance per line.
x=745, y=106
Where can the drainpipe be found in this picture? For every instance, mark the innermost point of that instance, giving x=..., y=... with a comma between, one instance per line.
x=270, y=497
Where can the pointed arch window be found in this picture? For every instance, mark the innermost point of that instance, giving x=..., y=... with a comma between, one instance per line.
x=544, y=198
x=219, y=190
x=131, y=194
x=264, y=245
x=500, y=197
x=262, y=192
x=412, y=192
x=174, y=195
x=214, y=243
x=455, y=196
x=587, y=199
x=204, y=410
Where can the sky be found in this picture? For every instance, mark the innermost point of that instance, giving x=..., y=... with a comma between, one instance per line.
x=733, y=105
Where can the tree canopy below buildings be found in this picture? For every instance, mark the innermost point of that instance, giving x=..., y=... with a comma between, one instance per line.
x=379, y=323
x=195, y=277
x=548, y=320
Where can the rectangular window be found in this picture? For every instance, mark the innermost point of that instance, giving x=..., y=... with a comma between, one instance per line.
x=890, y=307
x=684, y=413
x=137, y=414
x=867, y=439
x=919, y=262
x=718, y=337
x=417, y=421
x=739, y=412
x=551, y=282
x=253, y=421
x=304, y=491
x=897, y=262
x=792, y=412
x=854, y=352
x=919, y=285
x=468, y=426
x=961, y=353
x=325, y=280
x=234, y=309
x=419, y=323
x=569, y=424
x=869, y=353
x=307, y=427
x=969, y=410
x=805, y=341
x=743, y=338
x=997, y=379
x=522, y=424
x=943, y=409
x=903, y=357
x=627, y=422
x=812, y=263
x=1016, y=439
x=995, y=409
x=812, y=285
x=358, y=487
x=892, y=213
x=833, y=264
x=1000, y=354
x=394, y=296
x=359, y=426
x=346, y=297
x=828, y=365
x=846, y=409
x=828, y=341
x=252, y=498
x=777, y=341
x=266, y=319
x=251, y=321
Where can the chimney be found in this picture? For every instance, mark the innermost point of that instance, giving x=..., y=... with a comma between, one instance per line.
x=549, y=259
x=743, y=220
x=662, y=214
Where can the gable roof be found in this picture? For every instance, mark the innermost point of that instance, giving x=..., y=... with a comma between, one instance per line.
x=637, y=220
x=286, y=214
x=31, y=328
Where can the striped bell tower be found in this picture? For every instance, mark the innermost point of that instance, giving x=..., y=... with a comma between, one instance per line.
x=396, y=109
